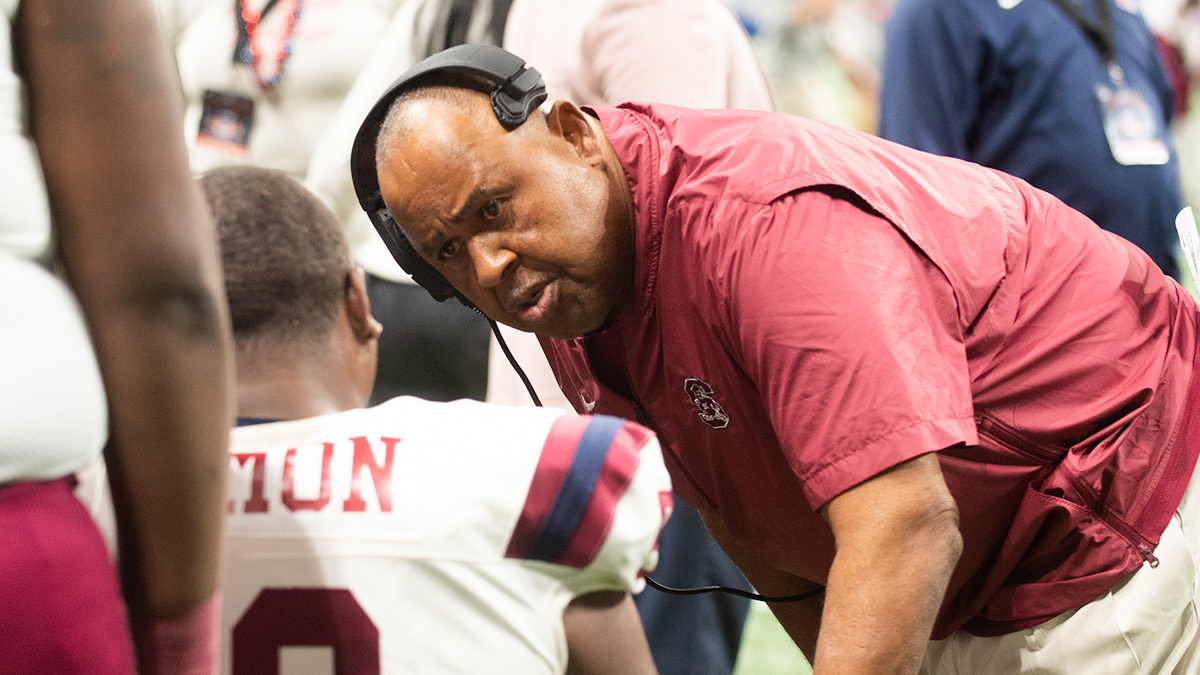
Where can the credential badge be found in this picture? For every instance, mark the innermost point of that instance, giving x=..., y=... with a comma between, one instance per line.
x=710, y=411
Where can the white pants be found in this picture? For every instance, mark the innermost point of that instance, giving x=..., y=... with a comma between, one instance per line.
x=1145, y=625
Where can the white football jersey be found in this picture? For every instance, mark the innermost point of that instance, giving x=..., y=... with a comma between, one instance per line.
x=420, y=537
x=25, y=215
x=52, y=405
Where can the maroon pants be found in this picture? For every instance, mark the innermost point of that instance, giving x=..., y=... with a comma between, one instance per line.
x=60, y=608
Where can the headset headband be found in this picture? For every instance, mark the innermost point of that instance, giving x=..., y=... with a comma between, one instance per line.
x=515, y=92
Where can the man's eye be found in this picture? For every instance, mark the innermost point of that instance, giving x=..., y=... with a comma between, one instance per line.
x=448, y=250
x=491, y=210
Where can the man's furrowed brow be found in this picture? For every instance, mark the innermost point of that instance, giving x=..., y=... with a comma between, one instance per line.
x=429, y=247
x=474, y=201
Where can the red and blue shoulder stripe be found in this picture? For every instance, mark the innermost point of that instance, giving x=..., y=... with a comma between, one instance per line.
x=587, y=463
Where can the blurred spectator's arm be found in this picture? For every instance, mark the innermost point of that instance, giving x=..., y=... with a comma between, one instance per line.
x=671, y=51
x=171, y=23
x=329, y=167
x=140, y=253
x=929, y=97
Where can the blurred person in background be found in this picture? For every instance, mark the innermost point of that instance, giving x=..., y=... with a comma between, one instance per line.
x=262, y=80
x=1071, y=96
x=129, y=356
x=821, y=56
x=1176, y=23
x=411, y=536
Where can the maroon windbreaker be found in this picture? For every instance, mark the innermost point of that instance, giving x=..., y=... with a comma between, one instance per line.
x=813, y=305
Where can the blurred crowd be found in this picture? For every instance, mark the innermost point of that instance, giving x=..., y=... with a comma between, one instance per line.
x=823, y=59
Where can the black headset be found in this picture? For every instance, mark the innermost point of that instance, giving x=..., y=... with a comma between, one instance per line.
x=515, y=91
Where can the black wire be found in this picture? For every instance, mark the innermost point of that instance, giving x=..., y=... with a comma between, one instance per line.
x=734, y=591
x=1100, y=33
x=513, y=362
x=650, y=582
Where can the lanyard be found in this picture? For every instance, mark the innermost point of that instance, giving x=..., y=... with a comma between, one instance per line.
x=245, y=50
x=1100, y=33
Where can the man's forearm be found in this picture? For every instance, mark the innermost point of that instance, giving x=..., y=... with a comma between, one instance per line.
x=880, y=604
x=897, y=544
x=801, y=620
x=167, y=458
x=141, y=255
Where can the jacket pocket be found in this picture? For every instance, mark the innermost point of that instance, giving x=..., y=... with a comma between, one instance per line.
x=1008, y=438
x=1058, y=556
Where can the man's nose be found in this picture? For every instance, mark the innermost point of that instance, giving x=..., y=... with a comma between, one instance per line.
x=491, y=258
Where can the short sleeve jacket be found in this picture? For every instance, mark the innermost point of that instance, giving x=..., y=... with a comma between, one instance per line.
x=814, y=305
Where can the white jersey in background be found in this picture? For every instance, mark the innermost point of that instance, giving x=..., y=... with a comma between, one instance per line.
x=419, y=537
x=52, y=406
x=327, y=43
x=24, y=212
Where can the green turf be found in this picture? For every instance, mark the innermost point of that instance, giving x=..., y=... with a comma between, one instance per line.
x=766, y=649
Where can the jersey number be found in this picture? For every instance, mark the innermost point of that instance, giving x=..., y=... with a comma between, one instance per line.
x=310, y=617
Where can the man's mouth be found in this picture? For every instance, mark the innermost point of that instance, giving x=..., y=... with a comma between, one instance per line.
x=537, y=303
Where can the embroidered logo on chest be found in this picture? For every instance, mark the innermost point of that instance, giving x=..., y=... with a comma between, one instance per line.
x=710, y=411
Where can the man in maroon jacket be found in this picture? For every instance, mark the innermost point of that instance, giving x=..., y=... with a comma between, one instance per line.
x=935, y=391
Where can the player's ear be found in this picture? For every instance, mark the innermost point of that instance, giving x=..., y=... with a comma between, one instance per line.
x=358, y=307
x=565, y=120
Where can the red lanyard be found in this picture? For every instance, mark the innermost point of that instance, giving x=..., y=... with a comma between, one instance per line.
x=245, y=51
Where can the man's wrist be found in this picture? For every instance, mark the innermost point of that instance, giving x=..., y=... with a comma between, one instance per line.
x=181, y=645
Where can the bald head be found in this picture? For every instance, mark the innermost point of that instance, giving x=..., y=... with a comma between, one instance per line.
x=533, y=225
x=414, y=109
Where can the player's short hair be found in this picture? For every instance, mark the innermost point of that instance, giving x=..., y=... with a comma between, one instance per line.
x=285, y=257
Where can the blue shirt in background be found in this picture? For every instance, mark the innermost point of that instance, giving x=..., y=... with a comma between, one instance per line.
x=1014, y=89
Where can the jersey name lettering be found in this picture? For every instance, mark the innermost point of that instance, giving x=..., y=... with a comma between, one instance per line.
x=311, y=477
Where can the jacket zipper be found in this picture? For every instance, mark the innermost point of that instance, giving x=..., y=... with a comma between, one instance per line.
x=1129, y=534
x=1015, y=440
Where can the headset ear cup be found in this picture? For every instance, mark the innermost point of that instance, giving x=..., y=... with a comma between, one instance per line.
x=411, y=262
x=424, y=274
x=407, y=257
